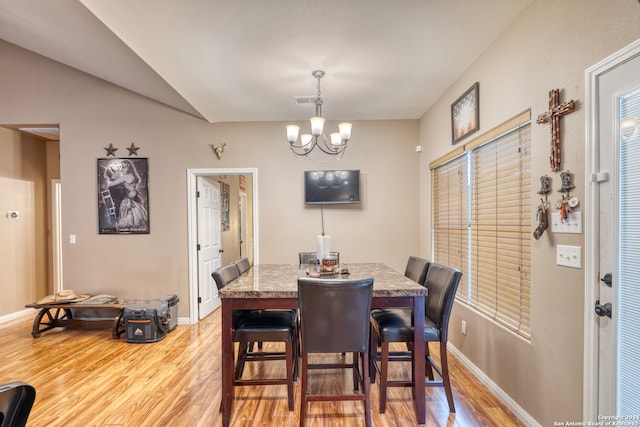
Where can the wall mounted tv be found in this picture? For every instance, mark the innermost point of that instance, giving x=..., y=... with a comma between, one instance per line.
x=332, y=187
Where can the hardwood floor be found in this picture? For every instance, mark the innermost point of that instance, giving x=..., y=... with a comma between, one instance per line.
x=86, y=378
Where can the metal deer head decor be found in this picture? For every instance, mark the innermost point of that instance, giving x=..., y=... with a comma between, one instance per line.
x=219, y=149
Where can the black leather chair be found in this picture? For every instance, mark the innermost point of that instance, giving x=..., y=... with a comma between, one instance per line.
x=396, y=326
x=334, y=318
x=260, y=326
x=305, y=257
x=416, y=269
x=16, y=401
x=243, y=265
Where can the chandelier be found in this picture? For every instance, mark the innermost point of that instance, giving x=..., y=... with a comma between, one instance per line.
x=334, y=145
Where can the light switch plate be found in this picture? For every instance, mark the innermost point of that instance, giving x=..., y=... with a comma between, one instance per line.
x=572, y=224
x=569, y=256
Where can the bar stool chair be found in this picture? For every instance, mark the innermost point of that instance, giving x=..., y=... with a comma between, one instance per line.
x=334, y=318
x=416, y=269
x=243, y=265
x=396, y=326
x=251, y=326
x=16, y=401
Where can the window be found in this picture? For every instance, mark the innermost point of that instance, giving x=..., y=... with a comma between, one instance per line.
x=482, y=221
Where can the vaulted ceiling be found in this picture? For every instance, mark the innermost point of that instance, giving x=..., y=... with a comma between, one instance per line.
x=246, y=60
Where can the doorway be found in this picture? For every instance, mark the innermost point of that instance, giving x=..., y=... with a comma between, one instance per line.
x=251, y=175
x=31, y=267
x=611, y=298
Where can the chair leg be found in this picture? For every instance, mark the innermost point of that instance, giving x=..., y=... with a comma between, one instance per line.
x=427, y=366
x=290, y=372
x=373, y=354
x=445, y=376
x=296, y=353
x=303, y=389
x=356, y=371
x=384, y=367
x=243, y=349
x=367, y=388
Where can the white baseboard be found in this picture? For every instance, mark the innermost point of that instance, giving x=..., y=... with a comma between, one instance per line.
x=184, y=321
x=13, y=316
x=517, y=410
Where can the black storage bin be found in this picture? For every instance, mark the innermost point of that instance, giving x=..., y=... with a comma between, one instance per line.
x=146, y=321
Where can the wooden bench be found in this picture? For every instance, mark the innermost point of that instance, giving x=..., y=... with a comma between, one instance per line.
x=69, y=315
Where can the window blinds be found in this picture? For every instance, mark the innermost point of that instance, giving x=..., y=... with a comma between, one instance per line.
x=500, y=229
x=450, y=215
x=628, y=313
x=482, y=224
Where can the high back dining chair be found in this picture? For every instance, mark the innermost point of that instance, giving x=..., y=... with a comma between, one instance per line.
x=243, y=265
x=416, y=269
x=16, y=401
x=260, y=326
x=396, y=326
x=304, y=258
x=334, y=318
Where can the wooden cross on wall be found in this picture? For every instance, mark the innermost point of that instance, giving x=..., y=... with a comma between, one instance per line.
x=556, y=110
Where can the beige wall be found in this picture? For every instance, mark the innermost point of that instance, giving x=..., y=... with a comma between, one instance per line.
x=92, y=114
x=550, y=46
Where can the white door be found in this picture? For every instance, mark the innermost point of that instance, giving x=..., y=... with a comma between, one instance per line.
x=613, y=282
x=209, y=237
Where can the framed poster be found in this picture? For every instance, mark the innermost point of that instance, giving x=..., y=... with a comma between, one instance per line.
x=224, y=211
x=123, y=196
x=465, y=114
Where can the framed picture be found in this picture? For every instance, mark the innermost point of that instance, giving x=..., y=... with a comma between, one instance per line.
x=224, y=211
x=465, y=114
x=123, y=196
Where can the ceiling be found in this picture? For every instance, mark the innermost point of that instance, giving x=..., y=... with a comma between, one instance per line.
x=246, y=60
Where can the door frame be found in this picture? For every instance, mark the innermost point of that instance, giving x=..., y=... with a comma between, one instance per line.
x=592, y=255
x=56, y=234
x=192, y=222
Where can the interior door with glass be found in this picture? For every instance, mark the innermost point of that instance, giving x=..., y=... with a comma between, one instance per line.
x=616, y=305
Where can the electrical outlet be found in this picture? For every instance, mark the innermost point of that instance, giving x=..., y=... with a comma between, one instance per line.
x=72, y=239
x=464, y=328
x=571, y=224
x=569, y=256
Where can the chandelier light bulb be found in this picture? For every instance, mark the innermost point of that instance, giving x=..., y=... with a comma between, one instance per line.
x=305, y=141
x=345, y=130
x=292, y=133
x=317, y=124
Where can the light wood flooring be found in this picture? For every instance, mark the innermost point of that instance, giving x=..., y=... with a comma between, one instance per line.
x=85, y=378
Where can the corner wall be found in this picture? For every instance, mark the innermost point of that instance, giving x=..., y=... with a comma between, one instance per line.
x=549, y=46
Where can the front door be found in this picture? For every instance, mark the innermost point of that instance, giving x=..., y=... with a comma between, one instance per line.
x=613, y=282
x=209, y=237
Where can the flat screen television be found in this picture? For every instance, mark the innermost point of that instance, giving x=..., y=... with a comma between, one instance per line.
x=332, y=187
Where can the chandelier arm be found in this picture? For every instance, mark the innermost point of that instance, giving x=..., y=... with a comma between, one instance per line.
x=302, y=150
x=327, y=148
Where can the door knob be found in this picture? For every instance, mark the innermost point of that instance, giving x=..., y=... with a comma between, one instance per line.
x=603, y=310
x=607, y=279
x=220, y=251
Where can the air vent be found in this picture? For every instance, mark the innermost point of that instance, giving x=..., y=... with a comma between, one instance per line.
x=300, y=100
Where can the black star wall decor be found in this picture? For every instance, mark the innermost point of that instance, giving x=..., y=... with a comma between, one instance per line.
x=111, y=150
x=133, y=150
